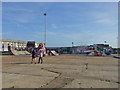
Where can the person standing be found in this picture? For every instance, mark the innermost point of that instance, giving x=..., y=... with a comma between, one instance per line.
x=2, y=47
x=9, y=47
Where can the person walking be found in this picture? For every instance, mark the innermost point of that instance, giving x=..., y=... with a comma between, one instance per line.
x=2, y=47
x=40, y=53
x=41, y=56
x=34, y=55
x=44, y=49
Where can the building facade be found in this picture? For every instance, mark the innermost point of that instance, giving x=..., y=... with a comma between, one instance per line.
x=14, y=44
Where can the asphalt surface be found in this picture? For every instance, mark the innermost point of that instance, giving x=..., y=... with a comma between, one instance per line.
x=64, y=71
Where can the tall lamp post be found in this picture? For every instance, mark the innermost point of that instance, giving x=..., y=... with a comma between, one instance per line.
x=45, y=28
x=72, y=47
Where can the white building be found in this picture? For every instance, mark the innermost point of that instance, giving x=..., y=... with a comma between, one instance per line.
x=15, y=44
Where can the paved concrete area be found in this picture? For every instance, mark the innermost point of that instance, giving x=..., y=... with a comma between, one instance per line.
x=64, y=71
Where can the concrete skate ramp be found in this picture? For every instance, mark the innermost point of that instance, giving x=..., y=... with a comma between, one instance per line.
x=54, y=53
x=15, y=52
x=117, y=57
x=6, y=53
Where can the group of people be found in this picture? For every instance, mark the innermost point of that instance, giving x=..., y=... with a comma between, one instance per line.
x=38, y=52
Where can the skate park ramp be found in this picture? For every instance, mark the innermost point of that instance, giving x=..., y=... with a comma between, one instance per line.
x=15, y=52
x=117, y=57
x=54, y=53
x=6, y=53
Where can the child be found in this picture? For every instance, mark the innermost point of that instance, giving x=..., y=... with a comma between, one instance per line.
x=34, y=56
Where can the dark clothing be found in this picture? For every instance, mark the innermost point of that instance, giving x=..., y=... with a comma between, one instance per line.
x=34, y=54
x=40, y=59
x=2, y=45
x=9, y=48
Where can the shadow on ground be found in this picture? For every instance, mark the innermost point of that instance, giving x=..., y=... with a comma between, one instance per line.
x=20, y=63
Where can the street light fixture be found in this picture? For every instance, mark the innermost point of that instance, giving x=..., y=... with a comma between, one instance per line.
x=72, y=44
x=105, y=42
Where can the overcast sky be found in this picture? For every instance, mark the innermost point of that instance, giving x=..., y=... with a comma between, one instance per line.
x=83, y=23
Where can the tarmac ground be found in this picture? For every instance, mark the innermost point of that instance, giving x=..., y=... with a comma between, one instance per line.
x=63, y=71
